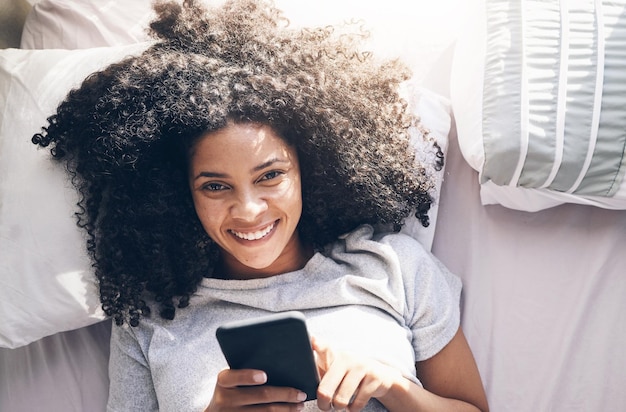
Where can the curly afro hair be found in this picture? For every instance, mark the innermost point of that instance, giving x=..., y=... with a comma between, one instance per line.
x=126, y=132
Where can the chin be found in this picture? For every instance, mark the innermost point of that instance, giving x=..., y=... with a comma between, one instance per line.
x=260, y=265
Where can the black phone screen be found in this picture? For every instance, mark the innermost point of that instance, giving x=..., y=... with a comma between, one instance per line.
x=277, y=344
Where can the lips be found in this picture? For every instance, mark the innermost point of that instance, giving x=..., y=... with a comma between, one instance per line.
x=256, y=235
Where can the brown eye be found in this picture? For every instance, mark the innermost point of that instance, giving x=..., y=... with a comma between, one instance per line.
x=271, y=175
x=214, y=187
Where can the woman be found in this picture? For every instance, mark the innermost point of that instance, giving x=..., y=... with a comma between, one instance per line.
x=235, y=169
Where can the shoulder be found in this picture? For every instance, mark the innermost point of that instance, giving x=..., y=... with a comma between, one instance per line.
x=366, y=234
x=414, y=262
x=397, y=254
x=392, y=244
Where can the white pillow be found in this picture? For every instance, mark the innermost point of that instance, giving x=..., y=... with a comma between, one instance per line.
x=538, y=93
x=46, y=283
x=420, y=32
x=71, y=24
x=435, y=113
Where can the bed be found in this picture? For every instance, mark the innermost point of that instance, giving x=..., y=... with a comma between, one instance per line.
x=531, y=203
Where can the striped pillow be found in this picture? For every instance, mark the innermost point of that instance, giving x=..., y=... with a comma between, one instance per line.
x=548, y=85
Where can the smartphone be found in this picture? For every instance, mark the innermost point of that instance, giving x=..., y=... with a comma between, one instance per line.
x=277, y=344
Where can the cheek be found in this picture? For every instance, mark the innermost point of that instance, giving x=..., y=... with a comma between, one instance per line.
x=197, y=204
x=206, y=212
x=295, y=200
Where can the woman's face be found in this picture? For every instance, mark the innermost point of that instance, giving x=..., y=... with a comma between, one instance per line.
x=245, y=183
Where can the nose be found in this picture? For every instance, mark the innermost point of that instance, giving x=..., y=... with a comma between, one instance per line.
x=248, y=205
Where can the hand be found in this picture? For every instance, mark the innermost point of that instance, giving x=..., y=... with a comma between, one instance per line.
x=349, y=382
x=243, y=389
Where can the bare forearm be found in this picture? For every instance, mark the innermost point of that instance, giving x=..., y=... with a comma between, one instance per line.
x=407, y=395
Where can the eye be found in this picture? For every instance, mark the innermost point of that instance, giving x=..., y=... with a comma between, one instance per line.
x=213, y=187
x=271, y=175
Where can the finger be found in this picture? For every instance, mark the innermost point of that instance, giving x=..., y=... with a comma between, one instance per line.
x=371, y=386
x=231, y=378
x=348, y=388
x=278, y=407
x=328, y=386
x=324, y=355
x=263, y=395
x=337, y=386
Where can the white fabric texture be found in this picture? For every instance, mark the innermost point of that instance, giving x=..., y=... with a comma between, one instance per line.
x=71, y=24
x=384, y=297
x=538, y=93
x=46, y=281
x=66, y=372
x=543, y=296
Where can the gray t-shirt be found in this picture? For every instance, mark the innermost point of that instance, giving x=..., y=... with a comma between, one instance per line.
x=383, y=296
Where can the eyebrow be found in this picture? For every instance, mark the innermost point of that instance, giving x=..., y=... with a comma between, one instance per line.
x=254, y=169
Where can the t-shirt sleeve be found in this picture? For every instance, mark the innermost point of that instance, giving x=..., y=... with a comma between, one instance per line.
x=433, y=293
x=131, y=387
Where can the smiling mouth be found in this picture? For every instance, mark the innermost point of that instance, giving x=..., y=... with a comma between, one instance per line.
x=259, y=234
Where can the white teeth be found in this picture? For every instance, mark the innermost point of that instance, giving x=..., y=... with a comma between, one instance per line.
x=254, y=235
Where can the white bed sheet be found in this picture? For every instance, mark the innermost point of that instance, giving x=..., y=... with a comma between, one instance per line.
x=544, y=296
x=66, y=372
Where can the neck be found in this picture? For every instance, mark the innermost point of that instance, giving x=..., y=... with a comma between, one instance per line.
x=290, y=261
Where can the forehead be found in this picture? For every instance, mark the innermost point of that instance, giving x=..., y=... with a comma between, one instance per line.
x=240, y=142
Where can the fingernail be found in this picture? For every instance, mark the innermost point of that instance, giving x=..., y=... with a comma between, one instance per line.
x=259, y=377
x=301, y=396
